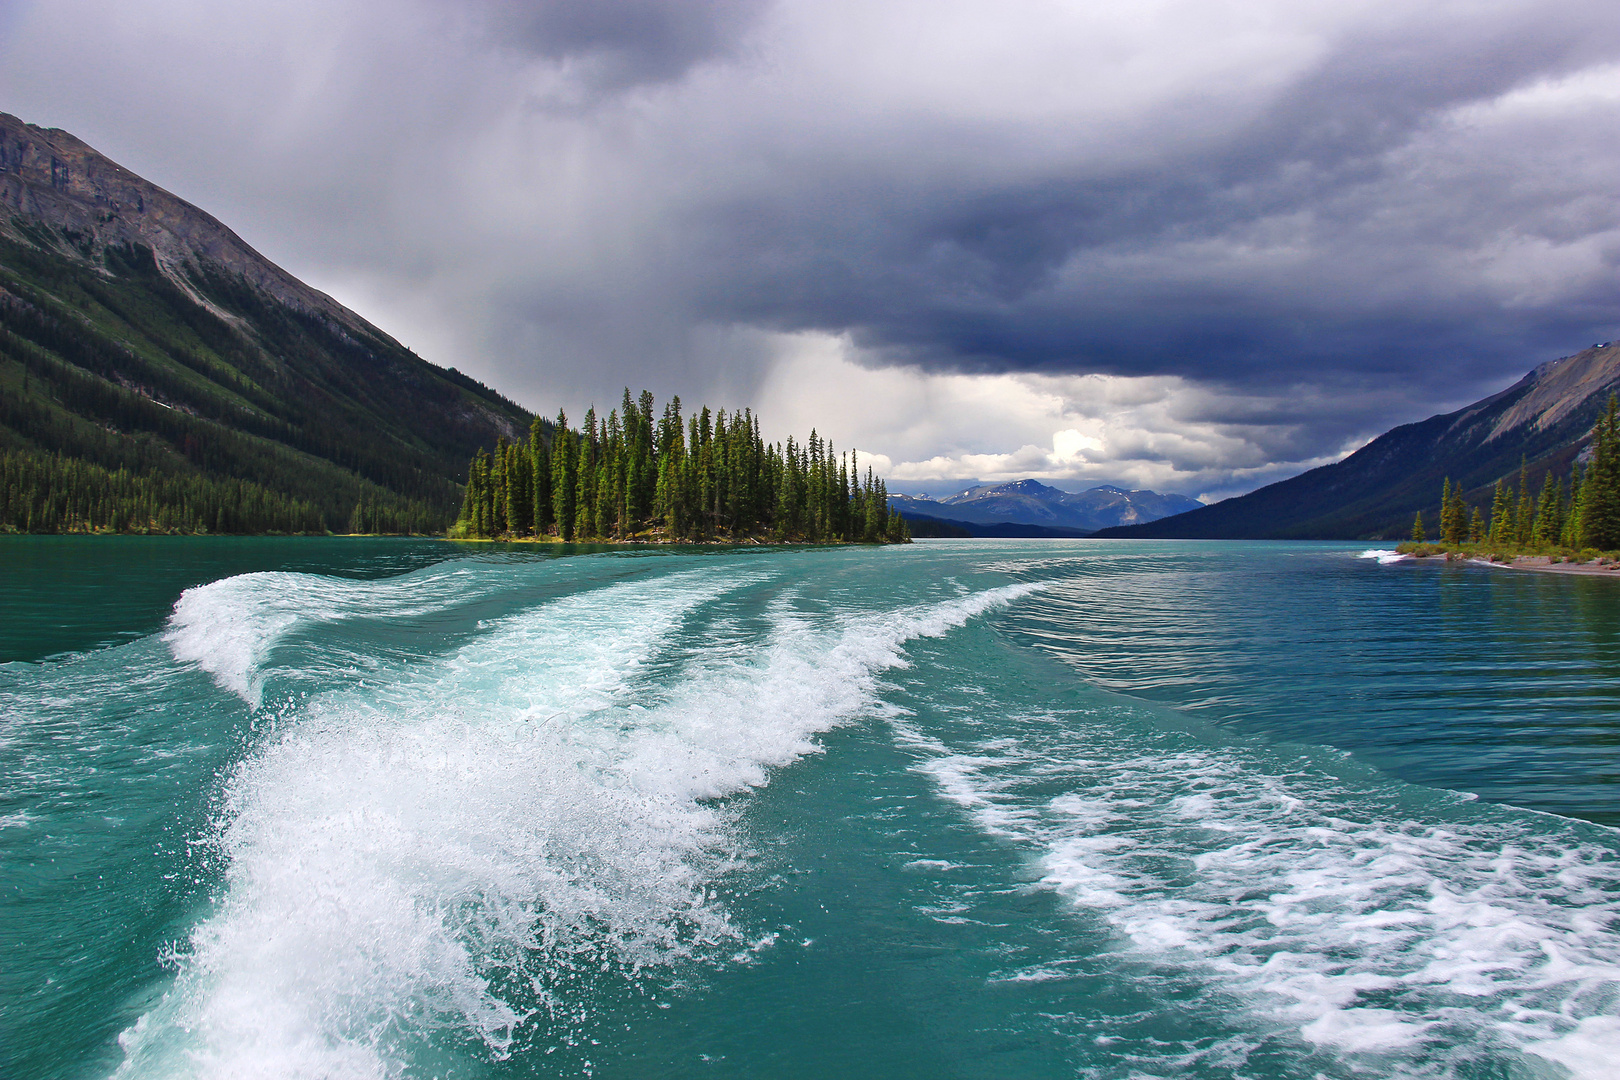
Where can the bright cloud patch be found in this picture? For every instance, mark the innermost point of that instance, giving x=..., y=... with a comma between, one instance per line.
x=937, y=432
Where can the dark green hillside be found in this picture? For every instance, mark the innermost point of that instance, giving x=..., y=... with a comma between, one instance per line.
x=1546, y=419
x=184, y=393
x=107, y=362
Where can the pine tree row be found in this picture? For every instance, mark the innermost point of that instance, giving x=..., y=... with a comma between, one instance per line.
x=57, y=494
x=1580, y=511
x=640, y=474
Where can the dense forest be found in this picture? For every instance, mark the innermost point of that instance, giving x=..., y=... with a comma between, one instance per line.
x=1578, y=511
x=131, y=401
x=640, y=475
x=41, y=494
x=128, y=406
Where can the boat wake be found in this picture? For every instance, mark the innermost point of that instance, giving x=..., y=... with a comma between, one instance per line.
x=482, y=842
x=1382, y=941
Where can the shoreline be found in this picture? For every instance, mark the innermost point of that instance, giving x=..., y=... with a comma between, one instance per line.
x=1544, y=564
x=1539, y=563
x=546, y=540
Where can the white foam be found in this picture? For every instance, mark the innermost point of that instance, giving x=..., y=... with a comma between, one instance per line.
x=1040, y=974
x=384, y=830
x=228, y=627
x=1362, y=1030
x=1383, y=937
x=1591, y=1049
x=500, y=827
x=1383, y=555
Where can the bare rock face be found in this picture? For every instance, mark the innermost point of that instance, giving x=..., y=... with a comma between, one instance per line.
x=50, y=176
x=1560, y=387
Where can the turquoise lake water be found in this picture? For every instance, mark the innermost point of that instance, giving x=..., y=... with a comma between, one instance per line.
x=1023, y=809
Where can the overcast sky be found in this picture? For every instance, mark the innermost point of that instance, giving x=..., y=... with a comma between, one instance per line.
x=1190, y=245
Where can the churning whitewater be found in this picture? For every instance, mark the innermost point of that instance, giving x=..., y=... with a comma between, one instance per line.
x=454, y=844
x=810, y=813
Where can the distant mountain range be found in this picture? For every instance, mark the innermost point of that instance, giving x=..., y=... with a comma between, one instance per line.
x=1544, y=419
x=138, y=333
x=1031, y=508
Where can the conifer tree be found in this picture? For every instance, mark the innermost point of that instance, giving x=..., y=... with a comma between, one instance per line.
x=1417, y=528
x=610, y=479
x=1560, y=507
x=485, y=519
x=585, y=477
x=521, y=476
x=1453, y=513
x=498, y=488
x=667, y=505
x=1525, y=512
x=540, y=473
x=1600, y=494
x=1502, y=525
x=1570, y=535
x=564, y=476
x=467, y=520
x=1549, y=511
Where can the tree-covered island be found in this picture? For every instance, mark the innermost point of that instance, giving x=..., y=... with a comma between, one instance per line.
x=640, y=475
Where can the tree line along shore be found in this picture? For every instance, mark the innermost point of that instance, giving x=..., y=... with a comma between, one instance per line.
x=643, y=476
x=1575, y=517
x=631, y=477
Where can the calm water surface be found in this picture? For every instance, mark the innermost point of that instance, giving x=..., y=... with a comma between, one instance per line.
x=349, y=808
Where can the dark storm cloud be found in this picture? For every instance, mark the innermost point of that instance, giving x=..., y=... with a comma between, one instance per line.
x=629, y=41
x=974, y=280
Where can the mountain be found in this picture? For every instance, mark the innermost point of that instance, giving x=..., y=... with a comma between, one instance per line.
x=1545, y=419
x=150, y=357
x=1050, y=511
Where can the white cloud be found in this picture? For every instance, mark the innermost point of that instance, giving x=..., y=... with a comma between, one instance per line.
x=937, y=432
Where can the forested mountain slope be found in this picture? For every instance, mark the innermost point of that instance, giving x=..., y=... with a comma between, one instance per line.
x=1545, y=418
x=157, y=372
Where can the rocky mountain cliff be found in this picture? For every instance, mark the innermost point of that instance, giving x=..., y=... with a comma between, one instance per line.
x=1032, y=503
x=48, y=177
x=138, y=332
x=1545, y=419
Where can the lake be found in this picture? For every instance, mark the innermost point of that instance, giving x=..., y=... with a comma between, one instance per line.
x=1000, y=808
